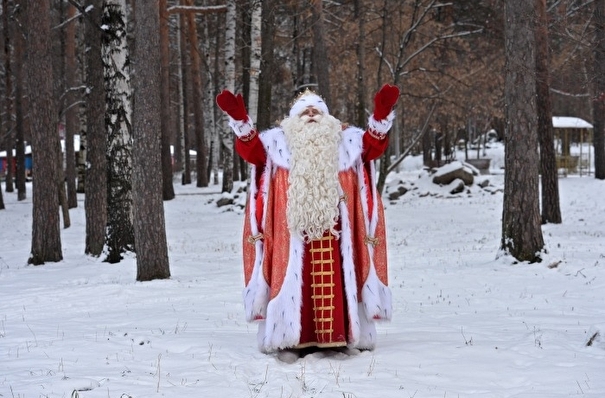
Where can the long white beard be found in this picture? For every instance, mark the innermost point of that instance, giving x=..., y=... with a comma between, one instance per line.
x=313, y=189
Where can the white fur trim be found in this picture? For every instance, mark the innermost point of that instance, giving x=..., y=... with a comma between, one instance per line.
x=256, y=293
x=367, y=340
x=306, y=101
x=241, y=128
x=381, y=126
x=349, y=152
x=349, y=276
x=375, y=296
x=282, y=325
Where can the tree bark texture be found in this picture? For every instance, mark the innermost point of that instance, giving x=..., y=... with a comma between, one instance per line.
x=149, y=222
x=167, y=123
x=46, y=233
x=198, y=113
x=95, y=199
x=118, y=123
x=521, y=228
x=186, y=98
x=72, y=123
x=599, y=90
x=20, y=122
x=8, y=98
x=265, y=83
x=321, y=61
x=551, y=209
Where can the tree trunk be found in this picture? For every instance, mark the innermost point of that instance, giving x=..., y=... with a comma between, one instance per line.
x=255, y=57
x=71, y=109
x=149, y=222
x=19, y=116
x=361, y=116
x=321, y=61
x=118, y=123
x=95, y=199
x=167, y=123
x=187, y=106
x=265, y=83
x=521, y=231
x=551, y=210
x=198, y=113
x=226, y=135
x=46, y=233
x=8, y=87
x=599, y=90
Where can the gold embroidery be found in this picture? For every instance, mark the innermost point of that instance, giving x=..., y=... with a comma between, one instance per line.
x=376, y=134
x=372, y=240
x=323, y=284
x=255, y=238
x=248, y=137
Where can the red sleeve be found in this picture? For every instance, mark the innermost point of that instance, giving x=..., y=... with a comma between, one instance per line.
x=251, y=149
x=374, y=145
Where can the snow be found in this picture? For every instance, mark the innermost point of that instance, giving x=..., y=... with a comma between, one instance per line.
x=465, y=324
x=562, y=122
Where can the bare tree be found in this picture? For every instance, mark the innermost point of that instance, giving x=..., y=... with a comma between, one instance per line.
x=267, y=69
x=149, y=222
x=551, y=210
x=46, y=235
x=95, y=198
x=19, y=33
x=599, y=89
x=198, y=113
x=8, y=98
x=521, y=231
x=321, y=62
x=167, y=122
x=71, y=107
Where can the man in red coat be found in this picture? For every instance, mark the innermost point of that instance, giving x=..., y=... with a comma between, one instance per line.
x=315, y=261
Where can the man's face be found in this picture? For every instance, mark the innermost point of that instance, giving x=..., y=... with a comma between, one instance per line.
x=311, y=115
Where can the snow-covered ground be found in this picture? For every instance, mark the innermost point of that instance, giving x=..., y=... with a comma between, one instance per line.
x=464, y=325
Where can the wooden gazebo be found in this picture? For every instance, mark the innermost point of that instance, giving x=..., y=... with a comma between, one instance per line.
x=572, y=132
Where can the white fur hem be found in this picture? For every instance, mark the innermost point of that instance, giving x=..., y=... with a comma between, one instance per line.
x=381, y=126
x=241, y=128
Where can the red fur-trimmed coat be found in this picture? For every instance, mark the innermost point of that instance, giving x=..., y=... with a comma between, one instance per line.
x=273, y=258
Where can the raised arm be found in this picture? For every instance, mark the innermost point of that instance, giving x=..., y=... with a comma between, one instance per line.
x=375, y=139
x=247, y=144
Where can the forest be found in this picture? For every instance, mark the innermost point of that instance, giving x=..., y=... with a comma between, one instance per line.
x=135, y=83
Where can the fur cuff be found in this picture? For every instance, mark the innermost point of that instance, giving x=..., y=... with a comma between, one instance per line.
x=241, y=128
x=381, y=126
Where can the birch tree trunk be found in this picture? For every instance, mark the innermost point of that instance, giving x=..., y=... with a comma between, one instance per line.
x=226, y=135
x=118, y=123
x=210, y=131
x=255, y=57
x=521, y=231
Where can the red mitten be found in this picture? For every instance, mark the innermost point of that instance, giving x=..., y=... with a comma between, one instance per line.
x=232, y=105
x=384, y=101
